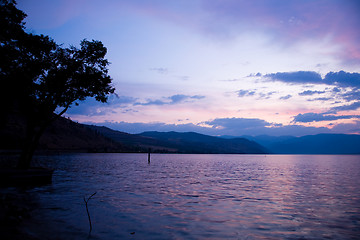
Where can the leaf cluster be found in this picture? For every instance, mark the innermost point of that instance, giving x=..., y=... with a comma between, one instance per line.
x=39, y=76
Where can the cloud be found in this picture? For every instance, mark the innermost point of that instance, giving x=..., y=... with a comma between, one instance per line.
x=324, y=99
x=348, y=107
x=91, y=107
x=300, y=77
x=337, y=79
x=351, y=95
x=139, y=127
x=341, y=82
x=232, y=127
x=318, y=117
x=160, y=70
x=255, y=75
x=310, y=93
x=233, y=123
x=285, y=97
x=265, y=95
x=178, y=98
x=245, y=93
x=255, y=126
x=343, y=79
x=336, y=90
x=347, y=128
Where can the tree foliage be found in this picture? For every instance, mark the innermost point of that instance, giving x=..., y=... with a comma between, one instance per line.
x=38, y=76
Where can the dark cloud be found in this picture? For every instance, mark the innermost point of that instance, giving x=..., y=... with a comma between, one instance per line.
x=347, y=128
x=152, y=102
x=244, y=93
x=285, y=97
x=351, y=95
x=348, y=107
x=343, y=79
x=178, y=98
x=255, y=75
x=336, y=90
x=300, y=77
x=265, y=95
x=261, y=95
x=310, y=93
x=338, y=79
x=318, y=117
x=321, y=99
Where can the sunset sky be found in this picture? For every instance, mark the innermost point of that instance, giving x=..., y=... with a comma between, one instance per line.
x=218, y=67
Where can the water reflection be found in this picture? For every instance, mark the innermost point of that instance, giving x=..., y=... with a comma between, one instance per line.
x=205, y=196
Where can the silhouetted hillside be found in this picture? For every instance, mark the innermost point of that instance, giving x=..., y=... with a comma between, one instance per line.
x=192, y=142
x=175, y=142
x=66, y=135
x=141, y=143
x=62, y=135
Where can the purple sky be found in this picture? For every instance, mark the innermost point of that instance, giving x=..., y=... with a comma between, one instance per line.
x=219, y=67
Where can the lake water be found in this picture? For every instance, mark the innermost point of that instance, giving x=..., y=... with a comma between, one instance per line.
x=198, y=197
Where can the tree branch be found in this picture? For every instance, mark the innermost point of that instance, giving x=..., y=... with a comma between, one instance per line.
x=87, y=210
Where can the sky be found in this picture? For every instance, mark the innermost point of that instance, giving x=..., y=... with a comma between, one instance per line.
x=217, y=67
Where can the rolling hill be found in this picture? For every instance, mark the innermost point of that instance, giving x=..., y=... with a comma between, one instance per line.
x=66, y=135
x=189, y=142
x=61, y=135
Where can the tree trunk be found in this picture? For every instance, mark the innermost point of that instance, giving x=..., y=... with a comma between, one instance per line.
x=32, y=139
x=36, y=126
x=26, y=155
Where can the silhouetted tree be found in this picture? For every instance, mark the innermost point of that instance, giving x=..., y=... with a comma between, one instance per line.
x=40, y=77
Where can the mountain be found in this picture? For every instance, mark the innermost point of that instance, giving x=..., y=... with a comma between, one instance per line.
x=66, y=135
x=191, y=142
x=318, y=144
x=174, y=142
x=268, y=141
x=136, y=141
x=61, y=135
x=310, y=144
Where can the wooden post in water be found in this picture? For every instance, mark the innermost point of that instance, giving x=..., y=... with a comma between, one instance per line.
x=149, y=155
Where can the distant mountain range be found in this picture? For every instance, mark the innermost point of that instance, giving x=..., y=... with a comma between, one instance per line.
x=189, y=142
x=66, y=135
x=311, y=144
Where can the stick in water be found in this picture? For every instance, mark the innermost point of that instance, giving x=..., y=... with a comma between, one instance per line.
x=87, y=210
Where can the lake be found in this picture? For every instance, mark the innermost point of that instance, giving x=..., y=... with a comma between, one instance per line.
x=197, y=197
